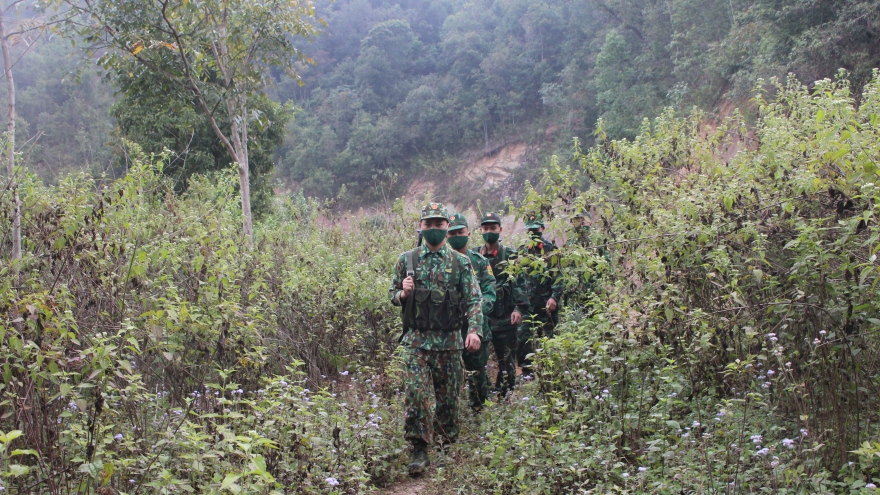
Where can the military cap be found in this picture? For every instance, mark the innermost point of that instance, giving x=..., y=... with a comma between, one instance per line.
x=534, y=221
x=457, y=221
x=434, y=210
x=490, y=218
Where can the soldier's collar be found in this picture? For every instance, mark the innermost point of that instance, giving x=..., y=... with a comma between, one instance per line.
x=440, y=252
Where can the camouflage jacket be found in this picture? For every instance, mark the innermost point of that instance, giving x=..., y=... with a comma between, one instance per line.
x=487, y=287
x=433, y=273
x=541, y=285
x=510, y=293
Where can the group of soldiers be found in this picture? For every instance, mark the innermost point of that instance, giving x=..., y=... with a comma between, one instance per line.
x=456, y=301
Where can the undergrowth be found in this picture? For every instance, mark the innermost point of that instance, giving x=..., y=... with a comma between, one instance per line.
x=720, y=337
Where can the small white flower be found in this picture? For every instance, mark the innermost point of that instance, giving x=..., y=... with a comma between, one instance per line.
x=804, y=432
x=788, y=364
x=816, y=341
x=765, y=385
x=788, y=443
x=117, y=437
x=771, y=372
x=871, y=486
x=696, y=424
x=756, y=439
x=822, y=332
x=642, y=469
x=763, y=452
x=332, y=481
x=344, y=373
x=774, y=464
x=625, y=475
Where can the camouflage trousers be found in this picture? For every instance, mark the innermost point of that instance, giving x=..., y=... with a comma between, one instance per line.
x=432, y=380
x=478, y=377
x=505, y=353
x=533, y=325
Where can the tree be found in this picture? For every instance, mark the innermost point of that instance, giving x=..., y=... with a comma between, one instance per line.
x=10, y=36
x=214, y=53
x=10, y=131
x=157, y=121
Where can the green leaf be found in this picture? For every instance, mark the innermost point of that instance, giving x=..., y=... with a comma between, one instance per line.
x=229, y=480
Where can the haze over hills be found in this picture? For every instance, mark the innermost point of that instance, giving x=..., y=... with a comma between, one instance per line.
x=401, y=89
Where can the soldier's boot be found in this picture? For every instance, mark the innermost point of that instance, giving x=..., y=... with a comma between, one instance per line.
x=420, y=461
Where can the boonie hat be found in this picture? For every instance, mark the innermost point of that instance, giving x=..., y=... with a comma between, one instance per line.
x=434, y=210
x=534, y=221
x=490, y=218
x=457, y=221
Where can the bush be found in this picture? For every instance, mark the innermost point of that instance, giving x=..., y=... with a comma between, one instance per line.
x=735, y=349
x=146, y=345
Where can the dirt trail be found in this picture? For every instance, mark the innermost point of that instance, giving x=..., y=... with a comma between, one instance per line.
x=408, y=487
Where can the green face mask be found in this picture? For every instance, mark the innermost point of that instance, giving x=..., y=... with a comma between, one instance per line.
x=434, y=237
x=458, y=242
x=491, y=237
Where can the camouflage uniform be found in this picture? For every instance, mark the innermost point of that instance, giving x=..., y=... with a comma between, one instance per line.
x=540, y=287
x=432, y=360
x=475, y=362
x=510, y=296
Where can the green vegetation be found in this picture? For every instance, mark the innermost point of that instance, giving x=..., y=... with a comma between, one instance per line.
x=401, y=86
x=729, y=343
x=732, y=338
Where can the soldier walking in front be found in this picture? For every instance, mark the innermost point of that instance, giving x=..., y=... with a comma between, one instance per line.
x=510, y=301
x=475, y=362
x=438, y=289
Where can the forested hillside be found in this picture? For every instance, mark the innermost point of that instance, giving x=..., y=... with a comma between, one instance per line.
x=403, y=87
x=715, y=260
x=399, y=88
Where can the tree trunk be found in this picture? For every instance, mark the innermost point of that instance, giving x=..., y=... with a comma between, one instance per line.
x=10, y=139
x=239, y=145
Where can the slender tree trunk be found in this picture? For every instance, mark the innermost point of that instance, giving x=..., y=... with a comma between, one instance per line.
x=10, y=139
x=239, y=145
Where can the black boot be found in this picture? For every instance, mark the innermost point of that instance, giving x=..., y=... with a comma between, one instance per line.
x=419, y=462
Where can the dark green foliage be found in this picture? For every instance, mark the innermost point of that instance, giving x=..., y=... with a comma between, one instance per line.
x=159, y=120
x=401, y=85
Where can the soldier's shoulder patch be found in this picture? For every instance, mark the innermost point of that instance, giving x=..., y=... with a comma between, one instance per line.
x=489, y=269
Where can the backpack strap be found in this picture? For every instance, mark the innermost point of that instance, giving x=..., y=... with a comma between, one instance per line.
x=456, y=269
x=412, y=262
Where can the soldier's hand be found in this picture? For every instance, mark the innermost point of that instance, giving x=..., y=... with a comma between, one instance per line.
x=515, y=318
x=408, y=286
x=551, y=305
x=472, y=342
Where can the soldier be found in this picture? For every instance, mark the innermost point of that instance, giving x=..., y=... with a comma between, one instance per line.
x=544, y=290
x=510, y=302
x=475, y=362
x=437, y=288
